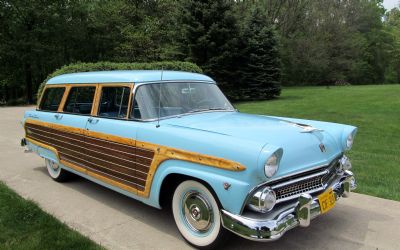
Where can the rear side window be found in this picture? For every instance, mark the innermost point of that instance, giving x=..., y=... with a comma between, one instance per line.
x=114, y=102
x=80, y=100
x=51, y=99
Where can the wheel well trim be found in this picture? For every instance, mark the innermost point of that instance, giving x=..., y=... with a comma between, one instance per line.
x=214, y=179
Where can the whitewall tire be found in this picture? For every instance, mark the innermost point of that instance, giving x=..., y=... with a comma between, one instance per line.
x=197, y=215
x=56, y=172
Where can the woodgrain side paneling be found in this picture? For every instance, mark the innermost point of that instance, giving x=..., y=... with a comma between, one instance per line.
x=106, y=158
x=112, y=159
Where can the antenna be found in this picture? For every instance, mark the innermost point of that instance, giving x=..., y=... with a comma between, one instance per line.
x=159, y=100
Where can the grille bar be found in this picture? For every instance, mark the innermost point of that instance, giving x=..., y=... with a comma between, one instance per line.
x=307, y=183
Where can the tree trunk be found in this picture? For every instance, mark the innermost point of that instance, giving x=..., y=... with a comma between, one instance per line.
x=28, y=83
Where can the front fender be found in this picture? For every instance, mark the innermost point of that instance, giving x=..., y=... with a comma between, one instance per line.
x=231, y=199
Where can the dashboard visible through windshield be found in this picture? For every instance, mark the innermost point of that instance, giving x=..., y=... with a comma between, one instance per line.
x=177, y=98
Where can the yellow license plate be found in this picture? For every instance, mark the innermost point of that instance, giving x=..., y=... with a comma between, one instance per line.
x=327, y=200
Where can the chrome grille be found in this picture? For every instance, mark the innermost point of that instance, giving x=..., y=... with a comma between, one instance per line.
x=309, y=182
x=299, y=187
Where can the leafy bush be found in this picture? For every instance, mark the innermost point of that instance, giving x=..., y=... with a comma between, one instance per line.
x=102, y=66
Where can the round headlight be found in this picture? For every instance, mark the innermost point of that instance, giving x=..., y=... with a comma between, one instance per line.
x=349, y=141
x=263, y=200
x=271, y=165
x=268, y=200
x=345, y=163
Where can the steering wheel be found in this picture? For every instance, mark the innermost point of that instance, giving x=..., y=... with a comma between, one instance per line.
x=203, y=103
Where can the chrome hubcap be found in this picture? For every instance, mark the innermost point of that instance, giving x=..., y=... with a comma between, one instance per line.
x=197, y=212
x=53, y=165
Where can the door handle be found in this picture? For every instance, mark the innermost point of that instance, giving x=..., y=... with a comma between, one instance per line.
x=58, y=116
x=92, y=120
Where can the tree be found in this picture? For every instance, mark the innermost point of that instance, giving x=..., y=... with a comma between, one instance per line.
x=211, y=35
x=319, y=42
x=261, y=67
x=392, y=26
x=336, y=40
x=36, y=37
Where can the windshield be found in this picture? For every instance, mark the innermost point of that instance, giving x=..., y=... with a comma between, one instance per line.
x=176, y=99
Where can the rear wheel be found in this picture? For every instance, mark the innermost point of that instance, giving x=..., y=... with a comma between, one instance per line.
x=197, y=216
x=56, y=172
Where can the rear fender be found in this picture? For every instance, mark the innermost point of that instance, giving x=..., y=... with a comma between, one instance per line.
x=43, y=152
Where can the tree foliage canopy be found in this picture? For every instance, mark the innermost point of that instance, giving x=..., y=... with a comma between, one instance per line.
x=288, y=42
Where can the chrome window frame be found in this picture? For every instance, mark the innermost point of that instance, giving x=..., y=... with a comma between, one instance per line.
x=138, y=85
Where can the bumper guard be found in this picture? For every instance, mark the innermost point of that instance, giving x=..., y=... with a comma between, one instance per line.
x=300, y=214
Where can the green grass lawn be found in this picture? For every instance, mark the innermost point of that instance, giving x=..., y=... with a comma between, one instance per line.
x=23, y=225
x=375, y=110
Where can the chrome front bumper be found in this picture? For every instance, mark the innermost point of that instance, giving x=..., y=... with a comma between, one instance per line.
x=300, y=214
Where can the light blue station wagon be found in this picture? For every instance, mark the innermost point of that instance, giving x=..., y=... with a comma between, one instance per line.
x=170, y=138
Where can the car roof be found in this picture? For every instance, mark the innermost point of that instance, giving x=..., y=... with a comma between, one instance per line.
x=128, y=76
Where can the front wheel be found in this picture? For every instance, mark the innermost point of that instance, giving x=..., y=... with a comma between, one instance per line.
x=197, y=215
x=56, y=172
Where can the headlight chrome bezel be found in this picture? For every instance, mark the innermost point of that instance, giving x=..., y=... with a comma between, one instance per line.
x=263, y=200
x=271, y=165
x=345, y=163
x=349, y=140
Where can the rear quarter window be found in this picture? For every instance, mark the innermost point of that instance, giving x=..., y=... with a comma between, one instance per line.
x=80, y=100
x=51, y=99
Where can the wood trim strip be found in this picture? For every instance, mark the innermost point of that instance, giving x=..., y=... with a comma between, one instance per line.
x=64, y=98
x=96, y=100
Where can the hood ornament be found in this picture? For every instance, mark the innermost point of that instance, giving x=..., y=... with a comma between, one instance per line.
x=305, y=127
x=310, y=129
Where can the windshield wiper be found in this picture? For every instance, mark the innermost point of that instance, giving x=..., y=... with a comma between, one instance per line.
x=207, y=109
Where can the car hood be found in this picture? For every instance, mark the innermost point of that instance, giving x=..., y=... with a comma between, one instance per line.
x=302, y=148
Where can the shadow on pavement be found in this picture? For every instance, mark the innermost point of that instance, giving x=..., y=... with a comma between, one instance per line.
x=334, y=230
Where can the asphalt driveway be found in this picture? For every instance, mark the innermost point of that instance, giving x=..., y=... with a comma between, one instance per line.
x=118, y=222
